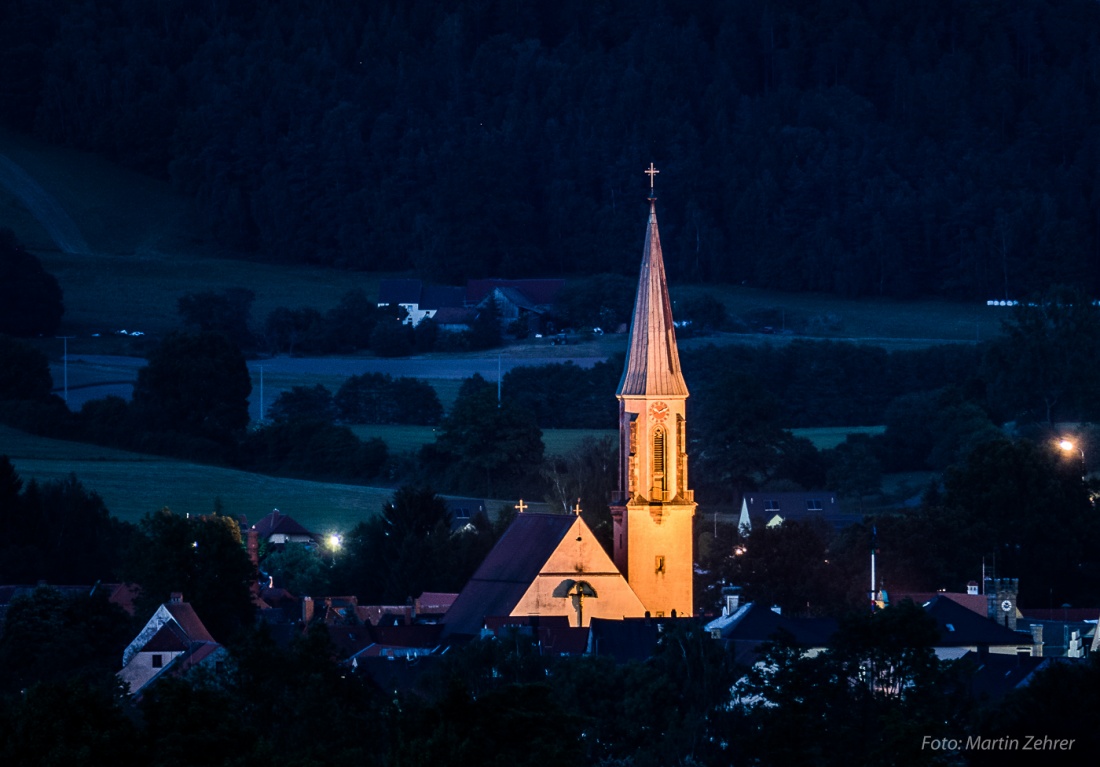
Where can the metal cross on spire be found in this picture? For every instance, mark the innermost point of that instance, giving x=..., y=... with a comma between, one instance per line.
x=521, y=506
x=651, y=172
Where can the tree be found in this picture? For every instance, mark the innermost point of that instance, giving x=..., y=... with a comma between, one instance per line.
x=1045, y=366
x=227, y=312
x=347, y=326
x=70, y=721
x=392, y=338
x=310, y=448
x=24, y=371
x=201, y=557
x=197, y=385
x=878, y=690
x=30, y=297
x=855, y=471
x=1025, y=504
x=303, y=403
x=789, y=566
x=409, y=548
x=586, y=476
x=50, y=637
x=299, y=569
x=485, y=332
x=380, y=398
x=287, y=330
x=57, y=531
x=737, y=438
x=484, y=439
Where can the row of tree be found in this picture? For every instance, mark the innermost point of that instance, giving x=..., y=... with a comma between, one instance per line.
x=876, y=696
x=890, y=148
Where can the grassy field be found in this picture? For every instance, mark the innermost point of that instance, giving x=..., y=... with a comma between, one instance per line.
x=826, y=438
x=403, y=439
x=133, y=485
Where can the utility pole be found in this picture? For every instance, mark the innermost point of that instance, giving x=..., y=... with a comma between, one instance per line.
x=65, y=365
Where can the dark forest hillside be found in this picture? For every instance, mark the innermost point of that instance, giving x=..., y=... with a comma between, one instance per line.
x=880, y=147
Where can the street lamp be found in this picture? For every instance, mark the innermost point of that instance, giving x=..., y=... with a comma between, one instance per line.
x=334, y=545
x=1068, y=446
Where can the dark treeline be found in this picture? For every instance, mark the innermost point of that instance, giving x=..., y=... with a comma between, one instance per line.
x=821, y=383
x=863, y=148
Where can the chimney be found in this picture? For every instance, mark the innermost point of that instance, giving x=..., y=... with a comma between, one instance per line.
x=307, y=609
x=972, y=588
x=176, y=598
x=1037, y=639
x=254, y=547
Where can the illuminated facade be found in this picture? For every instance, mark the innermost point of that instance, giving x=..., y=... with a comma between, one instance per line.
x=653, y=508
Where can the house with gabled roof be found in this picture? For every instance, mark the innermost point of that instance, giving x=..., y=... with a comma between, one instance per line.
x=962, y=631
x=420, y=301
x=279, y=529
x=544, y=564
x=767, y=508
x=747, y=627
x=173, y=641
x=529, y=299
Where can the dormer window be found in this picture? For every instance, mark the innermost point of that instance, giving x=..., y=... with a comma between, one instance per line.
x=814, y=504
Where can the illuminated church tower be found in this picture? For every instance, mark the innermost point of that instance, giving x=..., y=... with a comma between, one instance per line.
x=653, y=508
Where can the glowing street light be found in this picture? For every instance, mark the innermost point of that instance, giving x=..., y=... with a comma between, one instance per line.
x=1068, y=446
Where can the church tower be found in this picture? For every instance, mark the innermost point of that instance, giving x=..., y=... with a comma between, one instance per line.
x=653, y=507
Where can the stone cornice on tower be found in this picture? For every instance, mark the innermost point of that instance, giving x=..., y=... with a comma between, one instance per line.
x=652, y=360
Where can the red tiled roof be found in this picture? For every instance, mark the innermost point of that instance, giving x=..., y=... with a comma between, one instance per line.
x=434, y=602
x=977, y=603
x=169, y=638
x=188, y=620
x=276, y=522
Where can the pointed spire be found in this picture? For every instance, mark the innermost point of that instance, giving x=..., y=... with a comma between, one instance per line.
x=652, y=361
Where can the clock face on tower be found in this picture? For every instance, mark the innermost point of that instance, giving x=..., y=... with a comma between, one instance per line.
x=658, y=412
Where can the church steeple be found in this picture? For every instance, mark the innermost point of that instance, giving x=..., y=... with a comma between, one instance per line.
x=653, y=508
x=652, y=361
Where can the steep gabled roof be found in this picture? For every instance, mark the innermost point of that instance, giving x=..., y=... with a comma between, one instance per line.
x=188, y=620
x=169, y=638
x=764, y=506
x=399, y=291
x=508, y=571
x=652, y=360
x=440, y=296
x=539, y=292
x=279, y=523
x=961, y=627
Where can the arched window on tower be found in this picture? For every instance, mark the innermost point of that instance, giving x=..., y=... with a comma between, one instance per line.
x=660, y=486
x=681, y=457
